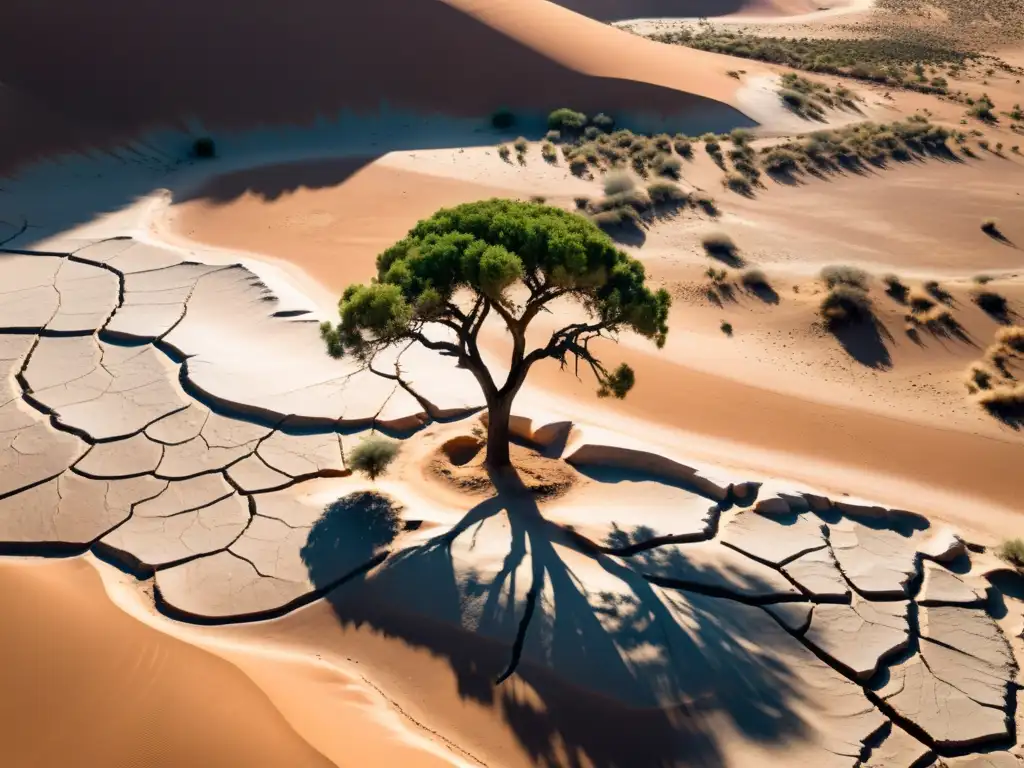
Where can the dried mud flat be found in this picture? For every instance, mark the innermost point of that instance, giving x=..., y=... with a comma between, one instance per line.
x=738, y=617
x=190, y=573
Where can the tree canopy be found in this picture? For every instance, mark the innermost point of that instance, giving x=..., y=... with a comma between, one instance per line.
x=509, y=258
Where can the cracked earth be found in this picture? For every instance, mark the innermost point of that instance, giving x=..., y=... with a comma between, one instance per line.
x=173, y=419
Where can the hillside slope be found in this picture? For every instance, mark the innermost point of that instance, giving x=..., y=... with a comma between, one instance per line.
x=104, y=74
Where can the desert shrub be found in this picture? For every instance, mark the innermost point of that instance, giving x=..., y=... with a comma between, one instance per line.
x=854, y=277
x=521, y=145
x=578, y=165
x=739, y=183
x=1012, y=551
x=978, y=378
x=936, y=291
x=582, y=203
x=712, y=147
x=720, y=245
x=684, y=147
x=663, y=142
x=733, y=73
x=204, y=148
x=982, y=109
x=553, y=136
x=503, y=119
x=1011, y=338
x=992, y=303
x=636, y=199
x=668, y=165
x=591, y=132
x=795, y=100
x=755, y=279
x=726, y=328
x=780, y=161
x=549, y=153
x=666, y=193
x=603, y=122
x=504, y=152
x=567, y=120
x=1005, y=402
x=982, y=279
x=991, y=227
x=920, y=301
x=896, y=288
x=616, y=182
x=373, y=455
x=740, y=136
x=716, y=275
x=615, y=218
x=845, y=304
x=706, y=203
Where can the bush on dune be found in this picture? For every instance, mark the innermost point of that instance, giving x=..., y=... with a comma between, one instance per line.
x=842, y=275
x=1012, y=551
x=616, y=182
x=845, y=304
x=567, y=121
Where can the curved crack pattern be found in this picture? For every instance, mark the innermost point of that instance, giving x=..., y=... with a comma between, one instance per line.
x=201, y=490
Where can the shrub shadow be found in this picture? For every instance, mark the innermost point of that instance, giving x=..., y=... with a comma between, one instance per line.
x=865, y=341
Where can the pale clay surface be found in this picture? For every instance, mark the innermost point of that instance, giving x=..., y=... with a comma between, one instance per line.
x=177, y=419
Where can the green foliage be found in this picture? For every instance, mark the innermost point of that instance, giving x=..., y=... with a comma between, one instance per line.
x=372, y=456
x=604, y=122
x=462, y=260
x=567, y=120
x=521, y=145
x=204, y=148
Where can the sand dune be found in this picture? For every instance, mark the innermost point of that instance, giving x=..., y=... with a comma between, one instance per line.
x=620, y=10
x=242, y=64
x=86, y=685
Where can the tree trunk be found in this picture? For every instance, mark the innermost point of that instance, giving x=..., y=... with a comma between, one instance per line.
x=498, y=414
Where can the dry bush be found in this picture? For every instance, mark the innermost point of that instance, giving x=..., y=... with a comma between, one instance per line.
x=373, y=455
x=549, y=153
x=896, y=288
x=706, y=203
x=1006, y=403
x=668, y=165
x=739, y=183
x=1012, y=551
x=521, y=145
x=991, y=227
x=617, y=182
x=720, y=246
x=978, y=378
x=1011, y=338
x=754, y=279
x=684, y=147
x=844, y=305
x=726, y=328
x=920, y=302
x=992, y=303
x=837, y=275
x=666, y=193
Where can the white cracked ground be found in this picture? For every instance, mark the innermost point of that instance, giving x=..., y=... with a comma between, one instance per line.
x=175, y=420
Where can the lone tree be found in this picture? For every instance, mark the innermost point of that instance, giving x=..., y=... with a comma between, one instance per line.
x=510, y=259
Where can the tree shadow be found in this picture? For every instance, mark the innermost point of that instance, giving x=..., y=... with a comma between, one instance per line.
x=601, y=647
